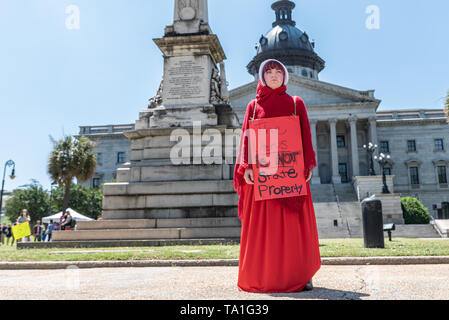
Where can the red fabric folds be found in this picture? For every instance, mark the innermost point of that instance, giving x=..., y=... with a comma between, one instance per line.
x=279, y=248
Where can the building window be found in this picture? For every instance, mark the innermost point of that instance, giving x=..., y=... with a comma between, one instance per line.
x=96, y=183
x=343, y=171
x=99, y=159
x=121, y=157
x=414, y=178
x=340, y=141
x=442, y=176
x=384, y=146
x=304, y=73
x=439, y=144
x=411, y=145
x=311, y=74
x=387, y=171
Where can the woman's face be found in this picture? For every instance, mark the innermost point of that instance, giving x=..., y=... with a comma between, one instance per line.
x=274, y=78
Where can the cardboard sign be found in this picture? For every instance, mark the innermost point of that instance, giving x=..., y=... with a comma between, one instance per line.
x=20, y=231
x=275, y=148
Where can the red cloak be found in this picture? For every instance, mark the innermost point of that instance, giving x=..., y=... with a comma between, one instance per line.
x=279, y=249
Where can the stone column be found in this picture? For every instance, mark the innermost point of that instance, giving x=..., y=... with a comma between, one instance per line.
x=336, y=179
x=315, y=173
x=354, y=146
x=373, y=140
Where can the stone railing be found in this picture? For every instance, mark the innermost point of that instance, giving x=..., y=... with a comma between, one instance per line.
x=108, y=129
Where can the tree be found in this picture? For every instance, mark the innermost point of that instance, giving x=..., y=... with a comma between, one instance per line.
x=72, y=157
x=87, y=201
x=31, y=197
x=414, y=211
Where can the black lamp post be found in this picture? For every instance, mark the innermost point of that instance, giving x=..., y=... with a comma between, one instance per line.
x=8, y=163
x=370, y=149
x=382, y=160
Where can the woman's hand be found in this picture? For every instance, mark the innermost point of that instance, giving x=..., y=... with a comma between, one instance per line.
x=248, y=176
x=308, y=175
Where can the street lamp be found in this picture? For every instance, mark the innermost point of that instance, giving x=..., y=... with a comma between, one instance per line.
x=382, y=160
x=8, y=163
x=370, y=149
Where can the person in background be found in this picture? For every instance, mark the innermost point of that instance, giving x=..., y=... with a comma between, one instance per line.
x=51, y=227
x=63, y=216
x=9, y=235
x=28, y=218
x=37, y=231
x=21, y=219
x=44, y=233
x=3, y=231
x=65, y=225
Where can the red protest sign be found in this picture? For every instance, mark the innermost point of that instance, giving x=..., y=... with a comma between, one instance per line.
x=276, y=152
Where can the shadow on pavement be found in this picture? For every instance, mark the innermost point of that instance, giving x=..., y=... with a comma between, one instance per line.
x=322, y=293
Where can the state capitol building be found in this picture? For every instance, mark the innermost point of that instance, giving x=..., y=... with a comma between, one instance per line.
x=342, y=121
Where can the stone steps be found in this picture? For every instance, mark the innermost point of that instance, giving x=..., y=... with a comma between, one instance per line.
x=158, y=223
x=443, y=227
x=415, y=231
x=145, y=234
x=171, y=213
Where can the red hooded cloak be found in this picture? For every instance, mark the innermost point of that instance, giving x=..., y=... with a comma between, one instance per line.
x=279, y=249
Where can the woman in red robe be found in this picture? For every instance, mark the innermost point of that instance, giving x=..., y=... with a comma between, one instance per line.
x=279, y=249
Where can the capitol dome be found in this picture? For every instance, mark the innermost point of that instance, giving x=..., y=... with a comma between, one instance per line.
x=288, y=44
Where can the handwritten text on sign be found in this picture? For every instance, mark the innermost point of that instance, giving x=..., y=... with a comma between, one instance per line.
x=276, y=151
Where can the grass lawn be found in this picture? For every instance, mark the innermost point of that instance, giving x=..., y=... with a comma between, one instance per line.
x=328, y=248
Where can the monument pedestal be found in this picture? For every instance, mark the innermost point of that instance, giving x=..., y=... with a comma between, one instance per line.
x=178, y=182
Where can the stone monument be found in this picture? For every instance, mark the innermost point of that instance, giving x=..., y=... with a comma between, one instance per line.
x=154, y=197
x=192, y=84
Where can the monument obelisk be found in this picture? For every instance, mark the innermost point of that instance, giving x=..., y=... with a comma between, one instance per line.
x=192, y=83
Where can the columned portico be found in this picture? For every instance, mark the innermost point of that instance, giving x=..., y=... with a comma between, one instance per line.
x=354, y=146
x=336, y=179
x=315, y=173
x=373, y=139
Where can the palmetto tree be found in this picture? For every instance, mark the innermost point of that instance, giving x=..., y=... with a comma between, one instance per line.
x=71, y=158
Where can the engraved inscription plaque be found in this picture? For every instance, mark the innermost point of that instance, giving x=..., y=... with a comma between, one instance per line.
x=186, y=81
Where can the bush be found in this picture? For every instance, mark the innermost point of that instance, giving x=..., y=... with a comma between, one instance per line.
x=414, y=211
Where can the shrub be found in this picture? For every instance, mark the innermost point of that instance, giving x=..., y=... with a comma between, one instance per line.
x=414, y=211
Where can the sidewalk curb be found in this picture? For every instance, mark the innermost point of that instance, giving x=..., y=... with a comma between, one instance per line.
x=45, y=265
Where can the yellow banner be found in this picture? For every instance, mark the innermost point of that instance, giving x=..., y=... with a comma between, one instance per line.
x=20, y=231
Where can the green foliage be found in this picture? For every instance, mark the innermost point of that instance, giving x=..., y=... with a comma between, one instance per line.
x=72, y=157
x=87, y=201
x=414, y=211
x=31, y=197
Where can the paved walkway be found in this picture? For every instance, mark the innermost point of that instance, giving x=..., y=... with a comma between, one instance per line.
x=332, y=282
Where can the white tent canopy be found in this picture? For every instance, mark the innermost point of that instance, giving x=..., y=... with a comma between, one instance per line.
x=75, y=215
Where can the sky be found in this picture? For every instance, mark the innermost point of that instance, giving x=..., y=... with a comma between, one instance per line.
x=55, y=78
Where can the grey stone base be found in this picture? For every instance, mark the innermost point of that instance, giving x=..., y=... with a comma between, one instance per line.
x=127, y=243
